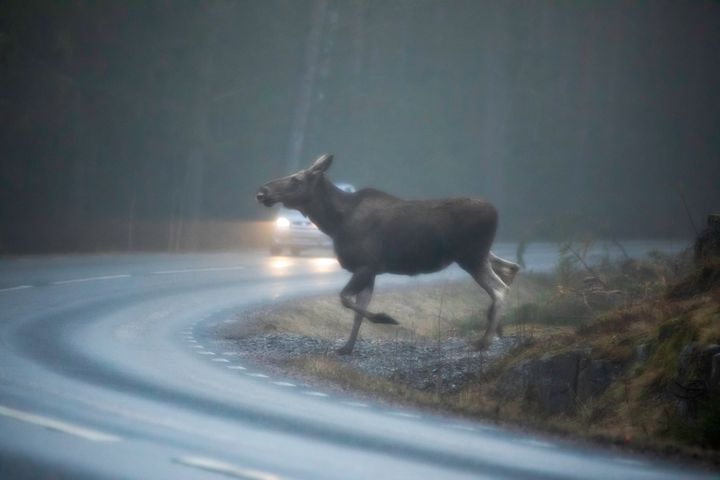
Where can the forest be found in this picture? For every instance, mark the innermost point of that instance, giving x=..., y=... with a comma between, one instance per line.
x=164, y=112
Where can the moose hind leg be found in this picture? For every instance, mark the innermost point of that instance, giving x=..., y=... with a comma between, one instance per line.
x=362, y=301
x=496, y=288
x=505, y=269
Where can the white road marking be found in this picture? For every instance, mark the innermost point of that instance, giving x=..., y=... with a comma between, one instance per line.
x=197, y=346
x=230, y=354
x=486, y=428
x=356, y=404
x=284, y=384
x=236, y=367
x=191, y=270
x=629, y=461
x=205, y=353
x=58, y=425
x=462, y=427
x=316, y=394
x=19, y=287
x=404, y=414
x=192, y=340
x=218, y=466
x=257, y=375
x=538, y=443
x=90, y=279
x=225, y=360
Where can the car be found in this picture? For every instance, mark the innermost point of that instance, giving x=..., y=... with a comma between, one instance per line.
x=294, y=232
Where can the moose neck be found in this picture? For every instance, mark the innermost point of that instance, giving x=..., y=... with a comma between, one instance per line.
x=328, y=207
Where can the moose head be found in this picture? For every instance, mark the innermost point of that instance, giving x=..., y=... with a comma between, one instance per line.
x=297, y=189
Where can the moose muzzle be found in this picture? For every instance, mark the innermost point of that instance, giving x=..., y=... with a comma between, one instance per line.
x=263, y=196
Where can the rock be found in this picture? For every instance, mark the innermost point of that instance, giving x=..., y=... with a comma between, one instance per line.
x=641, y=353
x=697, y=374
x=715, y=372
x=695, y=364
x=594, y=377
x=685, y=359
x=557, y=383
x=708, y=365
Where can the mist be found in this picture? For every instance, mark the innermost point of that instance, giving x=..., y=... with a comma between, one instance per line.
x=141, y=125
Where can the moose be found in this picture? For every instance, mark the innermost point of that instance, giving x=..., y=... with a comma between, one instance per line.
x=374, y=232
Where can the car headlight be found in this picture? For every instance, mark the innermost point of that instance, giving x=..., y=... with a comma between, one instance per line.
x=282, y=222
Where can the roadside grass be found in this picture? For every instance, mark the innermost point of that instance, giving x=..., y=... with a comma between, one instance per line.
x=425, y=312
x=640, y=315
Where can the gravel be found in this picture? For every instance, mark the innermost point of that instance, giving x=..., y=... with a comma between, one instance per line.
x=442, y=366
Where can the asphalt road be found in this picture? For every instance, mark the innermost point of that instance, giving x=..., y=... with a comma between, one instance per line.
x=105, y=372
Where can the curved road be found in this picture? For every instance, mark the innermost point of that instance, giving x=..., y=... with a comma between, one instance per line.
x=106, y=372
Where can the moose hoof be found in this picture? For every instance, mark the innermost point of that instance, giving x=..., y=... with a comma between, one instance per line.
x=344, y=350
x=383, y=319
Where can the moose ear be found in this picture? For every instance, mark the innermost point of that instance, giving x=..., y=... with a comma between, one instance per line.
x=322, y=164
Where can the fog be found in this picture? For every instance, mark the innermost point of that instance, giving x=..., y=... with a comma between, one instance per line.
x=144, y=121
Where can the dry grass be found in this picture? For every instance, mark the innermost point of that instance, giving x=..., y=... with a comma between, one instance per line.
x=424, y=312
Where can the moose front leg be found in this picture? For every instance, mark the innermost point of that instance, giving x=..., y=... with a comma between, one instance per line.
x=362, y=300
x=360, y=288
x=361, y=282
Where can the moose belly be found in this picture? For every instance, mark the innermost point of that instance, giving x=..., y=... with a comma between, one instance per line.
x=405, y=241
x=407, y=266
x=416, y=256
